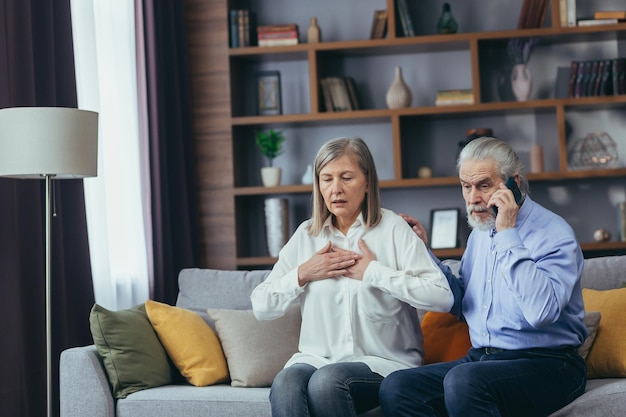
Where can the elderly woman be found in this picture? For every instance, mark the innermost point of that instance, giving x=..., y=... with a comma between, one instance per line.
x=358, y=272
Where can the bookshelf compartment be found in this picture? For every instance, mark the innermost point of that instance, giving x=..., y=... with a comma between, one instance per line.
x=434, y=141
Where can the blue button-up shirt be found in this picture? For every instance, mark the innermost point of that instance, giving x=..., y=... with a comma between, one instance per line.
x=521, y=288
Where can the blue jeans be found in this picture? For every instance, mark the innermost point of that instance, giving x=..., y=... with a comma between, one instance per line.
x=525, y=383
x=336, y=390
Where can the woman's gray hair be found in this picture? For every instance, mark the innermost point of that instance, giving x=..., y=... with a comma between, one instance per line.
x=507, y=161
x=359, y=153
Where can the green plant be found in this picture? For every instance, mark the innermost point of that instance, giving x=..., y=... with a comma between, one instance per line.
x=270, y=143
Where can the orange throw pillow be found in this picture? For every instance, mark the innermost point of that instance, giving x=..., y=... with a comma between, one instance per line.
x=446, y=338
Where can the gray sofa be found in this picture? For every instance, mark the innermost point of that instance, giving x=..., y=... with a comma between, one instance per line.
x=86, y=392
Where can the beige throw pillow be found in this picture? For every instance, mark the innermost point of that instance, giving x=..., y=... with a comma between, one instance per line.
x=256, y=350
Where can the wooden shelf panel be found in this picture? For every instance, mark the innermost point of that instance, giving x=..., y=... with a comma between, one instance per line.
x=439, y=182
x=430, y=43
x=592, y=103
x=589, y=248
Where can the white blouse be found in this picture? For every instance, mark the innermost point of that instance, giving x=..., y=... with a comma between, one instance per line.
x=373, y=321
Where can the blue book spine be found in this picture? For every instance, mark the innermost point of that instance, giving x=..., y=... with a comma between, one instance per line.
x=234, y=28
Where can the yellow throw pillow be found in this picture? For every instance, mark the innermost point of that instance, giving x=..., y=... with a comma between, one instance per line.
x=190, y=343
x=607, y=357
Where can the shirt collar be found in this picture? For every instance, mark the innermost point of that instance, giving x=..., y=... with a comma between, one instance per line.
x=328, y=223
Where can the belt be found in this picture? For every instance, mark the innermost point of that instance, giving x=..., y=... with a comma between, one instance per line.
x=491, y=350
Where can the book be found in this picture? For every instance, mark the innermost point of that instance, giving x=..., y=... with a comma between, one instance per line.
x=599, y=70
x=339, y=94
x=563, y=13
x=277, y=28
x=350, y=84
x=234, y=28
x=596, y=22
x=339, y=91
x=278, y=42
x=532, y=14
x=379, y=24
x=245, y=27
x=278, y=35
x=610, y=14
x=606, y=79
x=580, y=71
x=619, y=76
x=590, y=84
x=584, y=80
x=571, y=12
x=405, y=18
x=454, y=97
x=573, y=76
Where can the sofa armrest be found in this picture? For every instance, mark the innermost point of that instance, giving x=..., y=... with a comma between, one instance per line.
x=84, y=386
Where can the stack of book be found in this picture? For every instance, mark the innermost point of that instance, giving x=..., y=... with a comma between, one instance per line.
x=339, y=94
x=379, y=25
x=242, y=24
x=603, y=77
x=532, y=14
x=404, y=18
x=278, y=35
x=604, y=17
x=454, y=97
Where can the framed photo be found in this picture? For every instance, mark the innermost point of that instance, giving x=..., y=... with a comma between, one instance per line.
x=268, y=93
x=444, y=228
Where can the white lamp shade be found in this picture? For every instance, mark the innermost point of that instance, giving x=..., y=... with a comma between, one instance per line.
x=58, y=141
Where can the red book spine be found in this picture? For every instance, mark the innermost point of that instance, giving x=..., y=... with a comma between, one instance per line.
x=278, y=35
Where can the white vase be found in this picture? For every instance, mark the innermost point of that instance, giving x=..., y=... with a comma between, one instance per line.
x=271, y=176
x=276, y=224
x=399, y=94
x=521, y=82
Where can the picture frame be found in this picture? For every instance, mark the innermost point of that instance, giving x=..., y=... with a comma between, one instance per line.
x=268, y=93
x=444, y=228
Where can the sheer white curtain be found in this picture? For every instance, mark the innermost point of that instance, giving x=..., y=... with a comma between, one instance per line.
x=117, y=216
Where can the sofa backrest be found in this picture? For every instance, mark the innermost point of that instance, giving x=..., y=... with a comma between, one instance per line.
x=602, y=273
x=605, y=272
x=200, y=289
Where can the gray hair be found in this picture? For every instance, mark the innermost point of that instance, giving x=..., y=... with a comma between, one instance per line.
x=360, y=154
x=507, y=161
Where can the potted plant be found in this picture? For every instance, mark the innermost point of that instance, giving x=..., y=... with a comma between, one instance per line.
x=270, y=142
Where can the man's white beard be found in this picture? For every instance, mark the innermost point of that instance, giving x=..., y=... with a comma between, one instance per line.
x=483, y=225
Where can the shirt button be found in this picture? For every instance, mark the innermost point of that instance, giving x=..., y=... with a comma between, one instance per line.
x=485, y=334
x=485, y=307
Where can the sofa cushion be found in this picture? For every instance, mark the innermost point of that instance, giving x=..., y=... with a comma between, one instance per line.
x=446, y=338
x=256, y=350
x=592, y=322
x=190, y=343
x=130, y=349
x=607, y=357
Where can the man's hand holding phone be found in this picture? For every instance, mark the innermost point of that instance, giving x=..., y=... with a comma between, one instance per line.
x=507, y=198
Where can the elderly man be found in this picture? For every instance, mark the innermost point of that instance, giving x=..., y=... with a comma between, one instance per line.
x=519, y=291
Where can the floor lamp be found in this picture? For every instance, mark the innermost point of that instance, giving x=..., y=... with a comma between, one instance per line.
x=48, y=143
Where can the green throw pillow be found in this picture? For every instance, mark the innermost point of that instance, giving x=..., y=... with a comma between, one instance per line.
x=133, y=356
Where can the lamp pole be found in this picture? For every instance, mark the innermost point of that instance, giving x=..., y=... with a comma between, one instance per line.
x=48, y=178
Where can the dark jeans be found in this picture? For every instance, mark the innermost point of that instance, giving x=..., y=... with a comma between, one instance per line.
x=525, y=383
x=336, y=390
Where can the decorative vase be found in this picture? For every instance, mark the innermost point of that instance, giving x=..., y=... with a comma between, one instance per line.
x=307, y=177
x=399, y=94
x=271, y=176
x=446, y=22
x=521, y=82
x=536, y=158
x=313, y=34
x=276, y=224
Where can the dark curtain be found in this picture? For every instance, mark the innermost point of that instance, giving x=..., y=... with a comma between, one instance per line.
x=174, y=209
x=37, y=70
